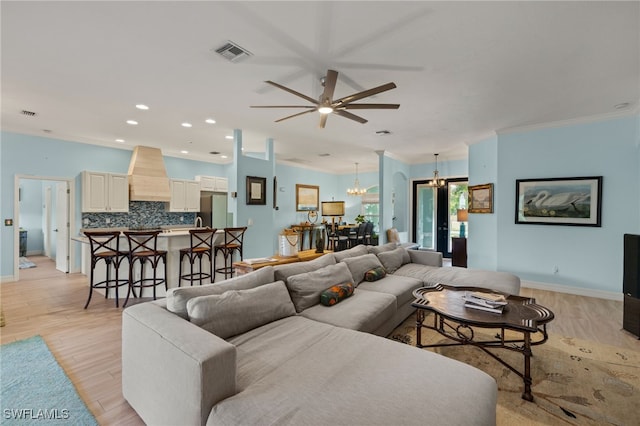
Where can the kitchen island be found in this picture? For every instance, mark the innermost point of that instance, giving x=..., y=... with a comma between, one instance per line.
x=170, y=239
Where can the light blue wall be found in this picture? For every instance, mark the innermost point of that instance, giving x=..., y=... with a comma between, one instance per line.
x=586, y=257
x=482, y=249
x=390, y=169
x=352, y=204
x=446, y=169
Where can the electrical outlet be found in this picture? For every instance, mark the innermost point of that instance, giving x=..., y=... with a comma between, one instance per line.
x=250, y=222
x=181, y=218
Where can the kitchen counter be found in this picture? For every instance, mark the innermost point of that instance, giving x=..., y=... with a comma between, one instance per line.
x=171, y=239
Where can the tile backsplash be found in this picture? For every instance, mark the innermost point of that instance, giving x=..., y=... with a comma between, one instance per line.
x=141, y=214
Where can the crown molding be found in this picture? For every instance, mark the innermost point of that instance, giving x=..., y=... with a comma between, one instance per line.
x=570, y=122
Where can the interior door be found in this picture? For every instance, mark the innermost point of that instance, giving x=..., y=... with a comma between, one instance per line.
x=62, y=227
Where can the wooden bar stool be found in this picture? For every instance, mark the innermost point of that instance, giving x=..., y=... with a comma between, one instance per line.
x=105, y=246
x=232, y=242
x=143, y=248
x=201, y=244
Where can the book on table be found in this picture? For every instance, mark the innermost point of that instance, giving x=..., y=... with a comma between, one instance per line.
x=489, y=302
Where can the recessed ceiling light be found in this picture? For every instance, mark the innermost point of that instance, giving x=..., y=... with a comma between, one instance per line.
x=210, y=121
x=223, y=156
x=622, y=105
x=186, y=124
x=120, y=140
x=228, y=137
x=184, y=151
x=132, y=122
x=142, y=106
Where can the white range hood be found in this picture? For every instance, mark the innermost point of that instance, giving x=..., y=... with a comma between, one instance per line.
x=148, y=179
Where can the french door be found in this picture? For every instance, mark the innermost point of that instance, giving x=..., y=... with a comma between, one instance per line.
x=435, y=213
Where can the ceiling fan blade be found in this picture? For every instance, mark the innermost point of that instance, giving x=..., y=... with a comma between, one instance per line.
x=329, y=85
x=323, y=120
x=283, y=106
x=370, y=106
x=363, y=94
x=350, y=116
x=293, y=92
x=294, y=115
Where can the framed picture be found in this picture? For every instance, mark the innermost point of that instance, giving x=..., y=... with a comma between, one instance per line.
x=481, y=198
x=559, y=201
x=307, y=197
x=256, y=190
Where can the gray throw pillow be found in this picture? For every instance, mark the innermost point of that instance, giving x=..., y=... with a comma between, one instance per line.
x=237, y=311
x=394, y=259
x=283, y=272
x=305, y=289
x=359, y=265
x=178, y=297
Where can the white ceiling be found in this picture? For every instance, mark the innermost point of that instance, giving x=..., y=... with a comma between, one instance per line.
x=463, y=71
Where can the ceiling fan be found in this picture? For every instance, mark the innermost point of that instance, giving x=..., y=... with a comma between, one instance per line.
x=327, y=105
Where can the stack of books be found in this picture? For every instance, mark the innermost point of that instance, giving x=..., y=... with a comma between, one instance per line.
x=489, y=302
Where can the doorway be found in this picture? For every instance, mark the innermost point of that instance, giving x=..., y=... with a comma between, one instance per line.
x=44, y=216
x=435, y=220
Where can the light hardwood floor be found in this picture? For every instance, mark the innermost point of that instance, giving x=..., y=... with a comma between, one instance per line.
x=87, y=343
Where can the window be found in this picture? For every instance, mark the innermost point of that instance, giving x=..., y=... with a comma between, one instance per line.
x=371, y=207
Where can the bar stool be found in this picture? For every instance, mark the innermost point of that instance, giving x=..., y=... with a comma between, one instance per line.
x=201, y=243
x=105, y=246
x=232, y=242
x=143, y=248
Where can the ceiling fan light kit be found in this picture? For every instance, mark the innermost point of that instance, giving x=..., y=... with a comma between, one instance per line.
x=326, y=105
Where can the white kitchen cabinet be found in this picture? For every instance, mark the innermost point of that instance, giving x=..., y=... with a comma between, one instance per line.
x=213, y=183
x=105, y=192
x=185, y=196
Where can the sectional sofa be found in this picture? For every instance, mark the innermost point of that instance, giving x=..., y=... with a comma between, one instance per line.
x=262, y=348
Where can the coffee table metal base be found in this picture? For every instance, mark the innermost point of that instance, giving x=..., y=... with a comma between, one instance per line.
x=464, y=334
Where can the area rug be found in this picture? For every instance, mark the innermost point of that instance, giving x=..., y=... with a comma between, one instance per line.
x=575, y=382
x=24, y=263
x=35, y=389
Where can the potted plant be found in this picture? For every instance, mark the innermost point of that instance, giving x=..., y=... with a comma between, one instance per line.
x=359, y=219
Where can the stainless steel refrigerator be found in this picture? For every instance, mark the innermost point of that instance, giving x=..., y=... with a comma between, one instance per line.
x=213, y=210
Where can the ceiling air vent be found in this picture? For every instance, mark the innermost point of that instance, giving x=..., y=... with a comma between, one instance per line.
x=28, y=113
x=233, y=52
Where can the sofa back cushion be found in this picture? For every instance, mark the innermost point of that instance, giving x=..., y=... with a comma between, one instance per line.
x=359, y=265
x=238, y=311
x=283, y=272
x=178, y=297
x=383, y=248
x=394, y=259
x=358, y=250
x=305, y=289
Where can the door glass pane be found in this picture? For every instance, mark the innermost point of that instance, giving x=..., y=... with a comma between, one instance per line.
x=425, y=211
x=457, y=201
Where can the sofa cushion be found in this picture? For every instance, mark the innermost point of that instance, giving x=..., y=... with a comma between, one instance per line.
x=394, y=259
x=358, y=250
x=396, y=285
x=283, y=272
x=178, y=297
x=305, y=289
x=375, y=274
x=383, y=248
x=364, y=311
x=336, y=294
x=237, y=311
x=359, y=265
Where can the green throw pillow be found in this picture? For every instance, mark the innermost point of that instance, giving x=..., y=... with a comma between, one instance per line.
x=375, y=274
x=335, y=294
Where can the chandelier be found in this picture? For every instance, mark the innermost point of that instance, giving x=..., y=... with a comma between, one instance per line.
x=356, y=190
x=436, y=181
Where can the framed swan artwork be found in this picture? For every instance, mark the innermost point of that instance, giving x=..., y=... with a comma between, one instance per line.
x=559, y=201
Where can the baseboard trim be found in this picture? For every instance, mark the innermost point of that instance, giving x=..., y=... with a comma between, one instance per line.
x=7, y=279
x=600, y=294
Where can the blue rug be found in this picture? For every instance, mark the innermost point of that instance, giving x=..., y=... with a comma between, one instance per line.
x=35, y=389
